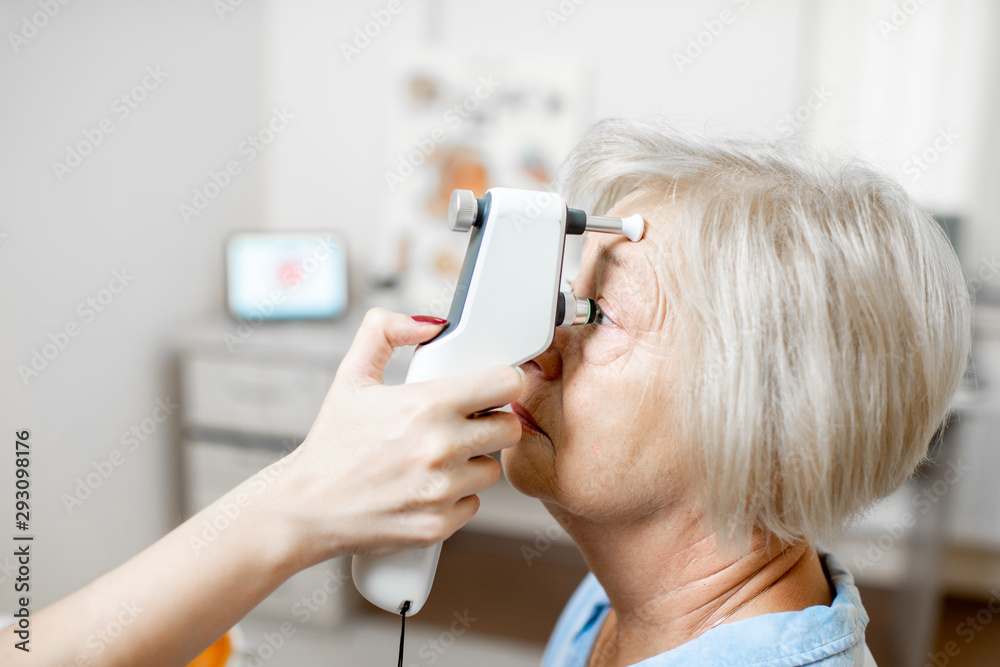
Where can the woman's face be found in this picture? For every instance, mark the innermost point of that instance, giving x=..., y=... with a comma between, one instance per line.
x=604, y=393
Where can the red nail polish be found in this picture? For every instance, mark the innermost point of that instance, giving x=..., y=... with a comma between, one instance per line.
x=427, y=319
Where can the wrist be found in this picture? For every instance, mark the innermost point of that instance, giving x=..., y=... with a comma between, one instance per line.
x=268, y=531
x=283, y=489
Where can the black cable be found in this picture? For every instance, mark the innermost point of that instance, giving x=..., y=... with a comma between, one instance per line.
x=402, y=629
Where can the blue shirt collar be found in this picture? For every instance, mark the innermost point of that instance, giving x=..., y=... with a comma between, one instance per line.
x=827, y=635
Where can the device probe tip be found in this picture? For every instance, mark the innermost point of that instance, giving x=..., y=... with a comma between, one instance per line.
x=633, y=227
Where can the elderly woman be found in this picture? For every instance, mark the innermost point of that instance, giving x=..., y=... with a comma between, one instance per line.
x=772, y=357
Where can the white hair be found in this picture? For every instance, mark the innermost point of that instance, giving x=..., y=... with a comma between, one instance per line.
x=825, y=316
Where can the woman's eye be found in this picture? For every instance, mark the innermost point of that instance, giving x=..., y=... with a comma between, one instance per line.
x=601, y=319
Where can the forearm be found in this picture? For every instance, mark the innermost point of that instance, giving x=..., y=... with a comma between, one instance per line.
x=175, y=598
x=382, y=469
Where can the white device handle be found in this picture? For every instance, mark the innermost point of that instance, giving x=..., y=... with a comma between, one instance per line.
x=389, y=581
x=503, y=313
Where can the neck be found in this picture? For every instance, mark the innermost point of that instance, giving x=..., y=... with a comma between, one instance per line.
x=668, y=582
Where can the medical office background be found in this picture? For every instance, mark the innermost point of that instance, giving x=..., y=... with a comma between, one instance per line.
x=357, y=119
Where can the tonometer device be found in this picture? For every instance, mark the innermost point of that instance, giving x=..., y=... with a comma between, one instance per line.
x=506, y=306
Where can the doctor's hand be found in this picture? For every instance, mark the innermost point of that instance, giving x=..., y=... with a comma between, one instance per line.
x=382, y=469
x=391, y=467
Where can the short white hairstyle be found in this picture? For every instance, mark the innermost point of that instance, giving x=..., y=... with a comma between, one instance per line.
x=824, y=314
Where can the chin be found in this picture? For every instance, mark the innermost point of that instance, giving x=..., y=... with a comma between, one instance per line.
x=528, y=468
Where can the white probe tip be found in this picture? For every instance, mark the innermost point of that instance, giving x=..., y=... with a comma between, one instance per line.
x=632, y=227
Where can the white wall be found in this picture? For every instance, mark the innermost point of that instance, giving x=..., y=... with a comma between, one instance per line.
x=118, y=209
x=329, y=173
x=982, y=243
x=889, y=95
x=911, y=90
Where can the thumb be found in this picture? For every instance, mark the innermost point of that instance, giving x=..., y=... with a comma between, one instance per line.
x=381, y=332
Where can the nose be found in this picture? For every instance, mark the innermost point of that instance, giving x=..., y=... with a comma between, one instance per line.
x=548, y=364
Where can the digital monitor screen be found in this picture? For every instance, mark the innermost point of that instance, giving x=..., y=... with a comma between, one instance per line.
x=280, y=276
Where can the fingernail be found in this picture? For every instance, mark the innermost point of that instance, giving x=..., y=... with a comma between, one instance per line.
x=427, y=319
x=519, y=372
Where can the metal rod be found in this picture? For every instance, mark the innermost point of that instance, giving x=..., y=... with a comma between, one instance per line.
x=601, y=223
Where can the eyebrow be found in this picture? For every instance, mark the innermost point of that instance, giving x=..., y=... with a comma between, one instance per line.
x=607, y=256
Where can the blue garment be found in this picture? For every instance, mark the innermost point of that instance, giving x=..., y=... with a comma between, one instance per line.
x=831, y=636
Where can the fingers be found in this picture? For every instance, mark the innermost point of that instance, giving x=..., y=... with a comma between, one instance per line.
x=461, y=512
x=485, y=434
x=480, y=390
x=446, y=495
x=475, y=476
x=433, y=528
x=381, y=332
x=447, y=499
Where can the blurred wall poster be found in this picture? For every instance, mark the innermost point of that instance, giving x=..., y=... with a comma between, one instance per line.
x=469, y=122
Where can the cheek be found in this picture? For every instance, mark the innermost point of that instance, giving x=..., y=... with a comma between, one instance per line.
x=604, y=345
x=583, y=418
x=620, y=455
x=598, y=400
x=598, y=376
x=615, y=397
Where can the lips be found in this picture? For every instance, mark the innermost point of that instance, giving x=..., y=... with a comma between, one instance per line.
x=527, y=421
